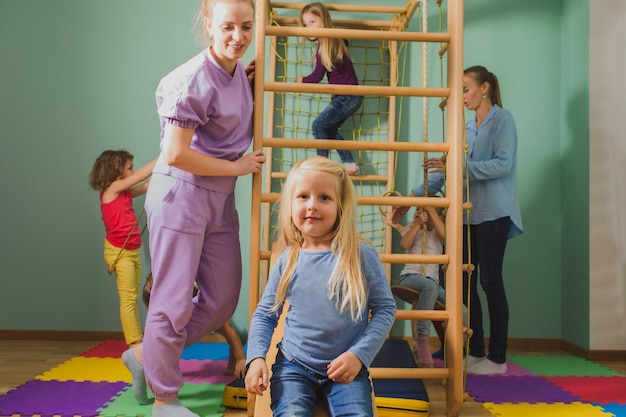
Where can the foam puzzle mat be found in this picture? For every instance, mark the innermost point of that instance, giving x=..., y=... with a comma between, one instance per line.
x=96, y=383
x=550, y=385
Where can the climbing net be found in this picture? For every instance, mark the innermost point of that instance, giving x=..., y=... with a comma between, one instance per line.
x=376, y=63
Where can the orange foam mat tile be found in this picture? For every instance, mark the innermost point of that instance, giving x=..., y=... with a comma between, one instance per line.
x=546, y=410
x=88, y=369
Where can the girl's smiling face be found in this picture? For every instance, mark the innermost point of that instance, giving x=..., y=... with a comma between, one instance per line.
x=314, y=209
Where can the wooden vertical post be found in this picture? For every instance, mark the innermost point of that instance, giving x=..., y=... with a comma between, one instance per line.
x=454, y=219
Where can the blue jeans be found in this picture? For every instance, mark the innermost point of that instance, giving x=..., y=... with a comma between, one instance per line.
x=429, y=290
x=328, y=122
x=488, y=241
x=295, y=389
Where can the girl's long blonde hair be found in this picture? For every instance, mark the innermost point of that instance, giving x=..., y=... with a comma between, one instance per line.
x=347, y=282
x=332, y=50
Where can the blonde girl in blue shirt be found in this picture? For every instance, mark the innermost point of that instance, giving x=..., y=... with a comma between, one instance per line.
x=333, y=280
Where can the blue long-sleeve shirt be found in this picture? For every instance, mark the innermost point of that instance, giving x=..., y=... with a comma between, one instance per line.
x=315, y=333
x=492, y=167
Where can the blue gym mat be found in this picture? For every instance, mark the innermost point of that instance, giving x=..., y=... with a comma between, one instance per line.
x=396, y=353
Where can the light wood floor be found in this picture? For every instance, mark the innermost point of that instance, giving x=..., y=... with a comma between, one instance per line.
x=22, y=360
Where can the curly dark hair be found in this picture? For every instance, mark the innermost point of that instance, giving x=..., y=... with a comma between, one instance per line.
x=108, y=167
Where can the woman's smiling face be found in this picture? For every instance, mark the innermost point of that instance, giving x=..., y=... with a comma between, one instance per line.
x=231, y=28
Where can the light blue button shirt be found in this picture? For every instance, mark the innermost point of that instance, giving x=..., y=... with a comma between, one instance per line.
x=492, y=168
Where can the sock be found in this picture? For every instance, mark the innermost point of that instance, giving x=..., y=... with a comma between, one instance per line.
x=172, y=409
x=487, y=367
x=139, y=379
x=424, y=358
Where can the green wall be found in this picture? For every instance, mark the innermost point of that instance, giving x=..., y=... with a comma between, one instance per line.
x=575, y=167
x=78, y=77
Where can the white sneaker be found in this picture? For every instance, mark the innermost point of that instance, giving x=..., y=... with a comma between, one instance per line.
x=473, y=360
x=351, y=168
x=487, y=367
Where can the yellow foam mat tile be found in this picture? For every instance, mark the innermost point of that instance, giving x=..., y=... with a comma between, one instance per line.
x=89, y=369
x=546, y=410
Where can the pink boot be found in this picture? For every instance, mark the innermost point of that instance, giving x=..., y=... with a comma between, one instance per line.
x=424, y=358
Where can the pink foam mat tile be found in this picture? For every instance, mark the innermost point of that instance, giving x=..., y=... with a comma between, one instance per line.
x=107, y=349
x=195, y=370
x=594, y=389
x=545, y=410
x=55, y=398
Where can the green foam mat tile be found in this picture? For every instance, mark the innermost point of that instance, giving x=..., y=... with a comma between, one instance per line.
x=557, y=365
x=203, y=399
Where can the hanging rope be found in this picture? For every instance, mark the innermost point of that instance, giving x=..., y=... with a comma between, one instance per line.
x=424, y=46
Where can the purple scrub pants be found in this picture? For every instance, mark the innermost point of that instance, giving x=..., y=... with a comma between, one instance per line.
x=193, y=236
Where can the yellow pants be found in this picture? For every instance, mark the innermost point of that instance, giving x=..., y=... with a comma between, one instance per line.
x=128, y=278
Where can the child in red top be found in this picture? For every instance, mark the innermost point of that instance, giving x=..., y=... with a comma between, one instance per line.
x=114, y=176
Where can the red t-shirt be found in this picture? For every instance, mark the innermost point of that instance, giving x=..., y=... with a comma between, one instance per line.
x=119, y=217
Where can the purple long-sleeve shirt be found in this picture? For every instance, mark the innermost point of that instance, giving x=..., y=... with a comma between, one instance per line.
x=343, y=74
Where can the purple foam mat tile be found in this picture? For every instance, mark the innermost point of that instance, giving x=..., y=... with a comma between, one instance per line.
x=67, y=398
x=516, y=389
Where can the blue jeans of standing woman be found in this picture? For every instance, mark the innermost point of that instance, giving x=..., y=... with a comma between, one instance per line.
x=488, y=242
x=295, y=389
x=328, y=122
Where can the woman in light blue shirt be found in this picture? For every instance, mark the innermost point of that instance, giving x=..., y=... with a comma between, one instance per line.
x=495, y=216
